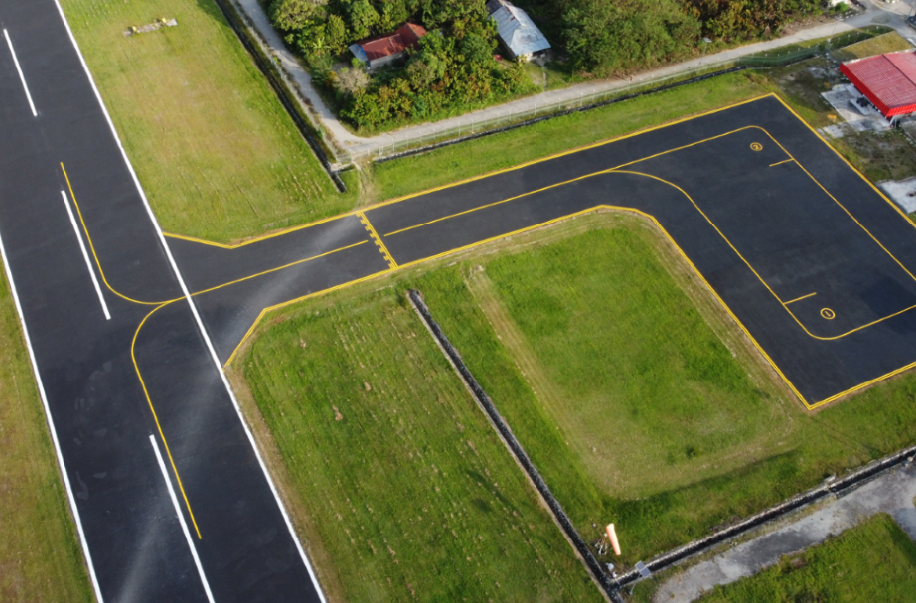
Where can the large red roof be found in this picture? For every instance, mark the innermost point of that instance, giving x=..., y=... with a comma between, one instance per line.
x=405, y=37
x=888, y=81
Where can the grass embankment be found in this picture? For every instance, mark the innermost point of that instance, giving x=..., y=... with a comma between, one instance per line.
x=40, y=558
x=875, y=561
x=402, y=487
x=215, y=151
x=627, y=400
x=889, y=42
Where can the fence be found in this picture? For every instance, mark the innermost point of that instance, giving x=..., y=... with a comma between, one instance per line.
x=777, y=58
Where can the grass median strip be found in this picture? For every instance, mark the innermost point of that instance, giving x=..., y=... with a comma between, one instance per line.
x=399, y=477
x=40, y=558
x=218, y=156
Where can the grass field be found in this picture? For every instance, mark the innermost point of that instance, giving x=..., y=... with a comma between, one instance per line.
x=889, y=42
x=40, y=558
x=875, y=561
x=667, y=427
x=628, y=401
x=216, y=153
x=393, y=473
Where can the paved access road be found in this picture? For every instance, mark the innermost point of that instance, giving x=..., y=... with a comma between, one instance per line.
x=172, y=501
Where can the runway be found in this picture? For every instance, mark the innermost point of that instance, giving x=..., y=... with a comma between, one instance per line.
x=129, y=328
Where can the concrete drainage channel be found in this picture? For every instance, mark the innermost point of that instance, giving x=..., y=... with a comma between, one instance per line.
x=611, y=586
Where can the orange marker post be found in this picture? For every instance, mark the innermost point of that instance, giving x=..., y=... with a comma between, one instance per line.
x=612, y=536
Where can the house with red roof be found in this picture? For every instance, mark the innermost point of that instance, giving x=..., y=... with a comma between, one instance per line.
x=385, y=50
x=888, y=81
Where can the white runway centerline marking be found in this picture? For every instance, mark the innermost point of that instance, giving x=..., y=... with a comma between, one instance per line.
x=184, y=525
x=21, y=75
x=95, y=282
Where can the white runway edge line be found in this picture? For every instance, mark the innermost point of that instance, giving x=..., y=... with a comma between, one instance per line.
x=21, y=75
x=184, y=524
x=44, y=400
x=95, y=281
x=200, y=324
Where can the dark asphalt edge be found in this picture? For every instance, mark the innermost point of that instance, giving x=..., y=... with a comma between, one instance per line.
x=521, y=457
x=839, y=487
x=286, y=97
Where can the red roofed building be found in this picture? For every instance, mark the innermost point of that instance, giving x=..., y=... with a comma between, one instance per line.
x=888, y=81
x=384, y=50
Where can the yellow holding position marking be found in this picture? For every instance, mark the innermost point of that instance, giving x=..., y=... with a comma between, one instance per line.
x=378, y=240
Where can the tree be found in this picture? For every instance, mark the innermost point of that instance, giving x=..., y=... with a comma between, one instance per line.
x=352, y=82
x=363, y=17
x=292, y=15
x=475, y=49
x=336, y=31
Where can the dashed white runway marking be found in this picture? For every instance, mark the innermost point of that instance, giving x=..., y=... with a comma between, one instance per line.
x=184, y=524
x=21, y=75
x=95, y=282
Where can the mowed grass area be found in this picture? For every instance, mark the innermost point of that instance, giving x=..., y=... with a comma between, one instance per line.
x=875, y=561
x=217, y=155
x=400, y=487
x=636, y=397
x=40, y=558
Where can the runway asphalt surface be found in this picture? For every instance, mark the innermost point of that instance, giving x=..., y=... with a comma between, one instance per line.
x=807, y=257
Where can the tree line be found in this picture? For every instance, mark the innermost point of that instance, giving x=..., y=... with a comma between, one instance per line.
x=454, y=66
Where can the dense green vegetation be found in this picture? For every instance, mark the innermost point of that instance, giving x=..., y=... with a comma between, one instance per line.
x=453, y=70
x=40, y=559
x=215, y=151
x=419, y=498
x=875, y=561
x=604, y=36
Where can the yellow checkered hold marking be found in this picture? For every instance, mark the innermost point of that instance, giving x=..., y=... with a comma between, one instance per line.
x=756, y=146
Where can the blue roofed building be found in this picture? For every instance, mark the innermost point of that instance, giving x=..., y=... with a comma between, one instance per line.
x=517, y=32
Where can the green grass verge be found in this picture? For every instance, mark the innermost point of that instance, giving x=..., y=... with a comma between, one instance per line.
x=875, y=561
x=217, y=155
x=632, y=409
x=404, y=490
x=889, y=42
x=468, y=159
x=40, y=558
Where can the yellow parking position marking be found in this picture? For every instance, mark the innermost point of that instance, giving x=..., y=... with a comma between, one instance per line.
x=792, y=301
x=781, y=162
x=377, y=239
x=828, y=313
x=96, y=257
x=149, y=401
x=756, y=146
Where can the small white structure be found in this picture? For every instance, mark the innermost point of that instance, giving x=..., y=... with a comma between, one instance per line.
x=517, y=32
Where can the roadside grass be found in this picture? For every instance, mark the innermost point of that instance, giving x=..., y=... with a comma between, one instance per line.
x=874, y=561
x=499, y=151
x=217, y=155
x=40, y=558
x=889, y=42
x=401, y=488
